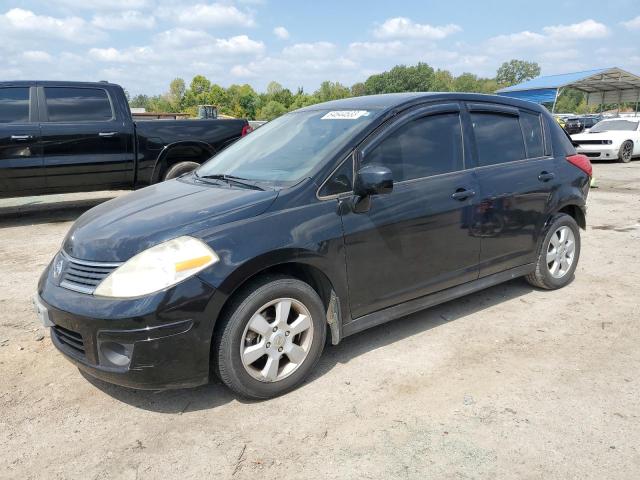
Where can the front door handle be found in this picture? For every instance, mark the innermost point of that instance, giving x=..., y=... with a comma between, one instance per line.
x=546, y=176
x=21, y=138
x=462, y=194
x=107, y=134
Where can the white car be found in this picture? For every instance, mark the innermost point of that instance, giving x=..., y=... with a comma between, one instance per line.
x=611, y=139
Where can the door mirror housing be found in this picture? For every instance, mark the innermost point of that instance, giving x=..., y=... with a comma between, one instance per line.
x=373, y=180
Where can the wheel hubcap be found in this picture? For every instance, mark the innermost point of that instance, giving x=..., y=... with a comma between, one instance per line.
x=276, y=340
x=628, y=148
x=561, y=252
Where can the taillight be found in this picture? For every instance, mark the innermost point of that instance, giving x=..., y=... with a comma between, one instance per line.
x=247, y=129
x=582, y=162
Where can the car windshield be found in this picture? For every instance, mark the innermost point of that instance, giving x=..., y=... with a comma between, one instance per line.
x=288, y=148
x=614, y=125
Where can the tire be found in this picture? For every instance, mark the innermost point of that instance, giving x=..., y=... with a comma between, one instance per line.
x=554, y=274
x=236, y=333
x=179, y=169
x=626, y=152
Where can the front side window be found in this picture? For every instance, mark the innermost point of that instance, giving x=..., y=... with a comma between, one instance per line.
x=532, y=132
x=288, y=148
x=14, y=105
x=625, y=125
x=423, y=147
x=498, y=138
x=67, y=104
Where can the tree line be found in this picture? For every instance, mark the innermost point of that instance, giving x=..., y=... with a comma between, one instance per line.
x=244, y=102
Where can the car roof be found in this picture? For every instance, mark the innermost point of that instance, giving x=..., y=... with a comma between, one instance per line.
x=44, y=83
x=388, y=101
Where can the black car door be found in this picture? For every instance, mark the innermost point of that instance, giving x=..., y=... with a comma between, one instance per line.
x=85, y=145
x=415, y=240
x=516, y=172
x=21, y=168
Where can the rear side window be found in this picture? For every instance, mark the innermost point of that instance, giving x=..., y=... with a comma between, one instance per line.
x=66, y=104
x=532, y=131
x=423, y=147
x=14, y=105
x=498, y=138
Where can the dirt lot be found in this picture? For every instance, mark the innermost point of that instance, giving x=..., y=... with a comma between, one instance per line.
x=511, y=382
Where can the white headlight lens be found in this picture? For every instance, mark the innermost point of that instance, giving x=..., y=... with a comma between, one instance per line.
x=157, y=268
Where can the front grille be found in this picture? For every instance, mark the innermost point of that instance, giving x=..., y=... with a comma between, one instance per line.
x=70, y=339
x=593, y=142
x=82, y=276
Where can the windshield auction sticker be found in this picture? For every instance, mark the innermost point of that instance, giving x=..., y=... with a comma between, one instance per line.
x=345, y=115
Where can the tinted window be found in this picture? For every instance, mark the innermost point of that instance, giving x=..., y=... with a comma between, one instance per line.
x=77, y=104
x=532, y=130
x=14, y=105
x=340, y=181
x=498, y=138
x=427, y=146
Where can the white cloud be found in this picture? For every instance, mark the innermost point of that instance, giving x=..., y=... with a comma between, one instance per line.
x=129, y=55
x=587, y=29
x=633, y=24
x=183, y=38
x=281, y=33
x=72, y=29
x=208, y=15
x=402, y=27
x=126, y=20
x=37, y=56
x=310, y=50
x=238, y=45
x=377, y=49
x=104, y=4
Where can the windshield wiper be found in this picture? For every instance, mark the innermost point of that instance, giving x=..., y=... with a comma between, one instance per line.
x=232, y=179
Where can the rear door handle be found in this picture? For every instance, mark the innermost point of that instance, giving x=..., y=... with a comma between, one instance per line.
x=107, y=134
x=462, y=194
x=546, y=176
x=21, y=138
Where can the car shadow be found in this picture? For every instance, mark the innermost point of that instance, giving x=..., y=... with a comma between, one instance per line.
x=36, y=210
x=216, y=394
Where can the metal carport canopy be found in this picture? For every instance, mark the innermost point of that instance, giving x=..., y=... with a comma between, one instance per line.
x=605, y=85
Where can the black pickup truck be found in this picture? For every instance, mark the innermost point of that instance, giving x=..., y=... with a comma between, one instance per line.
x=61, y=137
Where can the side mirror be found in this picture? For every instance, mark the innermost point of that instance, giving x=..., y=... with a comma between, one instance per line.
x=373, y=180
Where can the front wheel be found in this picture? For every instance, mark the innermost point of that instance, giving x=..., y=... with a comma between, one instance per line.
x=558, y=255
x=271, y=337
x=626, y=152
x=179, y=169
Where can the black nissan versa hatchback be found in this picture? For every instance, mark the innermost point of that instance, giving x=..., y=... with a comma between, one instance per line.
x=327, y=221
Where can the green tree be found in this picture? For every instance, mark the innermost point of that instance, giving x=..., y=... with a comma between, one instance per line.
x=358, y=89
x=176, y=93
x=516, y=71
x=271, y=110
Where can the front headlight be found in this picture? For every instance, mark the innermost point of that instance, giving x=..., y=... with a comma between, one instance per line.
x=157, y=268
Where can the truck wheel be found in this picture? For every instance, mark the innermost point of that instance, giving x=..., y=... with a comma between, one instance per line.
x=271, y=338
x=626, y=152
x=558, y=255
x=180, y=168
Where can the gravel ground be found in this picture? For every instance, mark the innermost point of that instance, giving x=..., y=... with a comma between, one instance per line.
x=511, y=382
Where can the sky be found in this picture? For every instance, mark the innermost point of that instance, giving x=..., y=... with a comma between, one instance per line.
x=144, y=44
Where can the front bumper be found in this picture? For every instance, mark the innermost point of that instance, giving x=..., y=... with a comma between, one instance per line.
x=598, y=152
x=159, y=341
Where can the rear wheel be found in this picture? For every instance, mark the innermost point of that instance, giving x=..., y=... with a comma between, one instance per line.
x=558, y=255
x=179, y=169
x=626, y=152
x=271, y=338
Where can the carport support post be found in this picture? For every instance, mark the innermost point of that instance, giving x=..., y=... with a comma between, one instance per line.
x=555, y=100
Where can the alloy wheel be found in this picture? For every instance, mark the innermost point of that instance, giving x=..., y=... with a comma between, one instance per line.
x=561, y=252
x=276, y=340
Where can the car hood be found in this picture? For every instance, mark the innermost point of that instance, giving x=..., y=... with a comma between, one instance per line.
x=608, y=135
x=120, y=228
